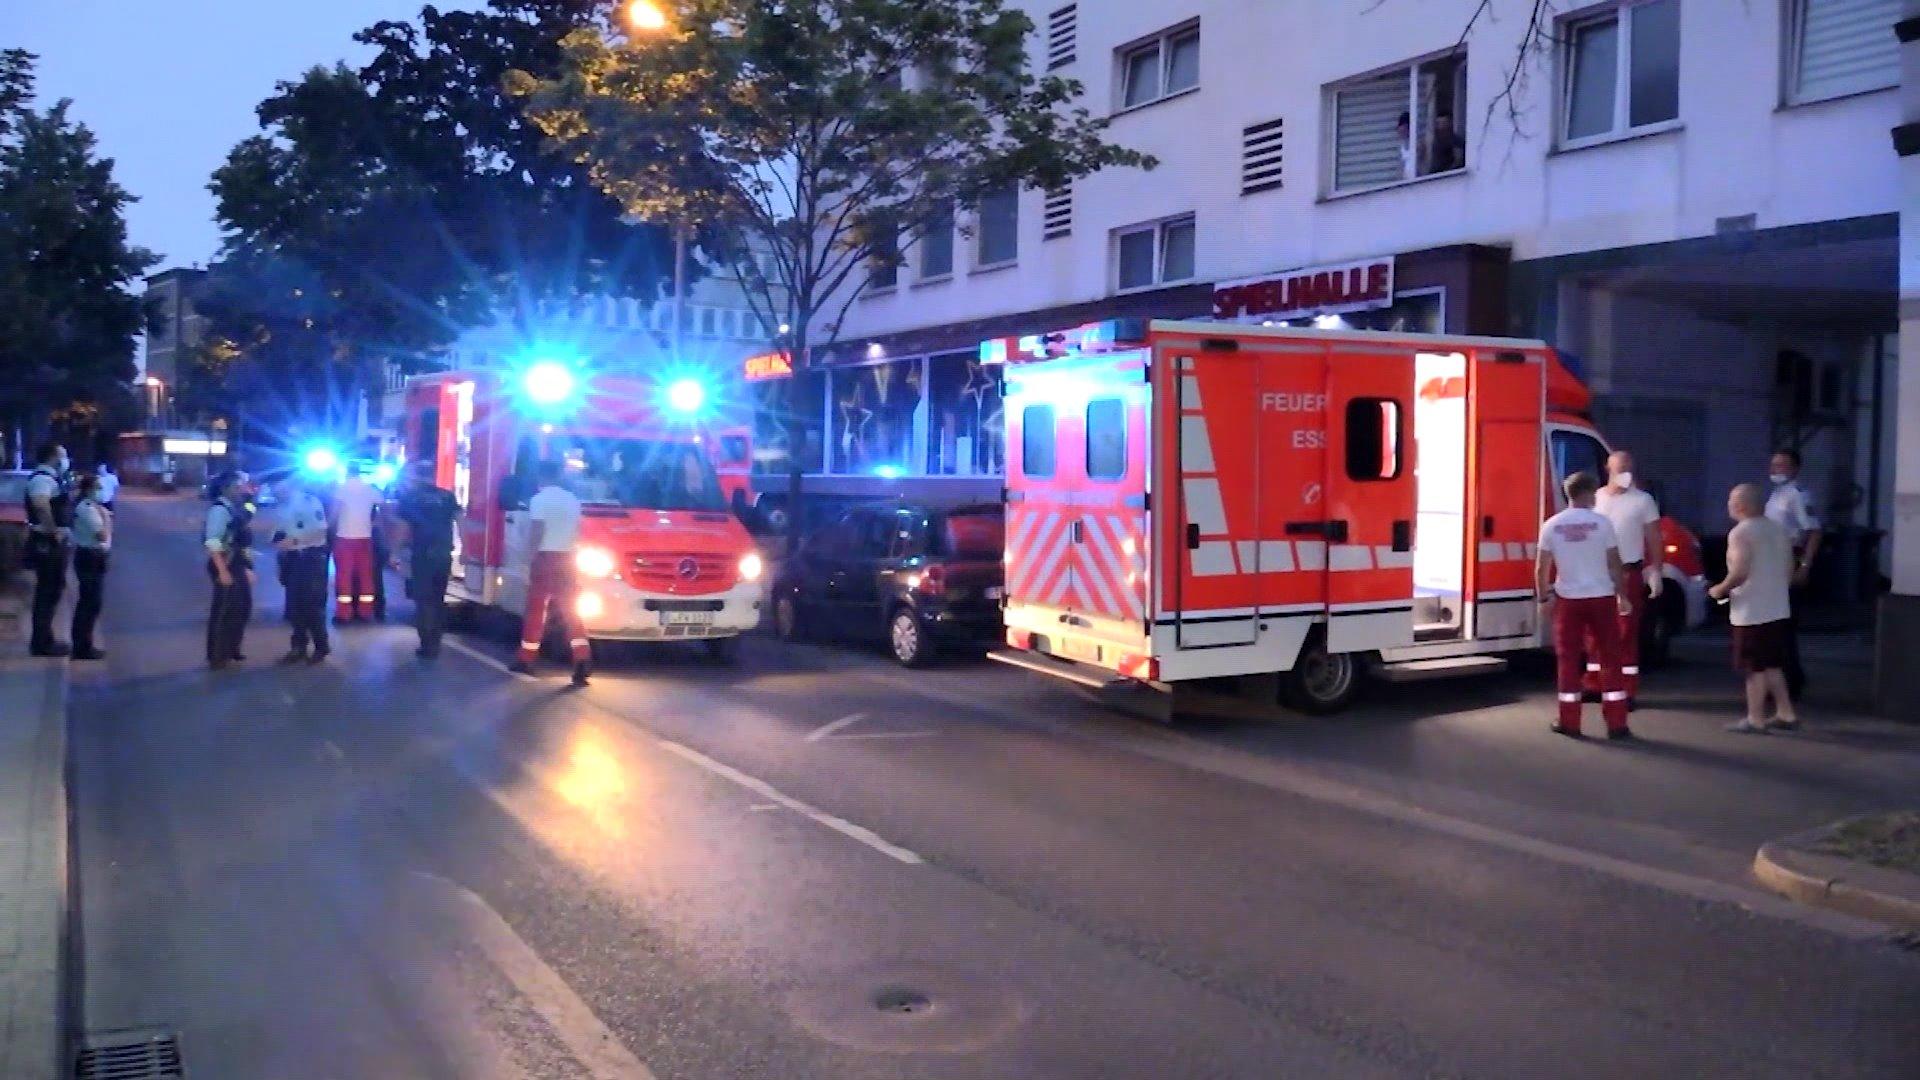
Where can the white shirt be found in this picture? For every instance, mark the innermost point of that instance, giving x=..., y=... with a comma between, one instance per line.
x=353, y=509
x=1579, y=539
x=109, y=486
x=557, y=509
x=1630, y=513
x=1791, y=508
x=92, y=526
x=1764, y=597
x=304, y=521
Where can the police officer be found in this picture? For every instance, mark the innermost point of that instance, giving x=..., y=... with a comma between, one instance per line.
x=49, y=531
x=301, y=543
x=1791, y=507
x=428, y=512
x=229, y=539
x=92, y=539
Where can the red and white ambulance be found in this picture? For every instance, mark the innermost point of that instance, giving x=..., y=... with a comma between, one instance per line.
x=660, y=556
x=1193, y=500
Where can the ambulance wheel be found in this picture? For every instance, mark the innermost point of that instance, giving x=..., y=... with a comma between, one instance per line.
x=906, y=639
x=789, y=621
x=1321, y=682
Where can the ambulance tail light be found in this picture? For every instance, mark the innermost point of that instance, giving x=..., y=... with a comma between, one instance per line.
x=1020, y=639
x=1138, y=666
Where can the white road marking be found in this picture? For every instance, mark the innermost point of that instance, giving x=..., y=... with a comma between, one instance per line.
x=825, y=730
x=889, y=735
x=585, y=1037
x=763, y=807
x=472, y=653
x=768, y=791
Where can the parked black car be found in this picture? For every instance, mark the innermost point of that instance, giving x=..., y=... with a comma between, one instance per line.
x=920, y=578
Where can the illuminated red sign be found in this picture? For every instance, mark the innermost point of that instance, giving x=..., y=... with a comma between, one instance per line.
x=1315, y=290
x=764, y=366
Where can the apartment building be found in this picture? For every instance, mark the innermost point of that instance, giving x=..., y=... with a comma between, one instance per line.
x=1696, y=200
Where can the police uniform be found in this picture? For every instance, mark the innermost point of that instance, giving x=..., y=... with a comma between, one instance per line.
x=1791, y=508
x=47, y=548
x=229, y=531
x=92, y=540
x=429, y=513
x=302, y=555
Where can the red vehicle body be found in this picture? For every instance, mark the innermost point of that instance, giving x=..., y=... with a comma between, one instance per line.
x=660, y=558
x=1198, y=500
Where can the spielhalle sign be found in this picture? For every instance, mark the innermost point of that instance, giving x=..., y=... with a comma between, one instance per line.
x=1313, y=290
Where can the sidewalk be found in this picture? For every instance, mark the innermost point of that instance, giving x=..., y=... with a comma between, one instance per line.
x=33, y=852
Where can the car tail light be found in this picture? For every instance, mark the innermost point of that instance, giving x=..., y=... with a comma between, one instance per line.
x=929, y=582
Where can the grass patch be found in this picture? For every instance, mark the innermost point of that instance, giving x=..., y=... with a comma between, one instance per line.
x=1888, y=840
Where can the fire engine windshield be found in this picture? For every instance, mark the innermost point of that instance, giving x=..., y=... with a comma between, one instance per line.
x=643, y=474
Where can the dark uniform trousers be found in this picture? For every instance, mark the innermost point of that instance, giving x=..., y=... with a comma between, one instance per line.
x=430, y=574
x=304, y=575
x=49, y=562
x=232, y=607
x=90, y=570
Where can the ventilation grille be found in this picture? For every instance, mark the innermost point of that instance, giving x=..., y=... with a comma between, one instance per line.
x=131, y=1055
x=1262, y=157
x=1063, y=34
x=1057, y=214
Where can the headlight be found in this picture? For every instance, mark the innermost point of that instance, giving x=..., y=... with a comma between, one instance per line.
x=751, y=567
x=589, y=605
x=594, y=562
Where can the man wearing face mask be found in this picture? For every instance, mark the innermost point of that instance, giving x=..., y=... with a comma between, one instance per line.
x=1636, y=523
x=1791, y=507
x=49, y=541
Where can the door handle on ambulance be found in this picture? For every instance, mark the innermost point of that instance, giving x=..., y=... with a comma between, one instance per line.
x=1193, y=536
x=1403, y=536
x=1079, y=532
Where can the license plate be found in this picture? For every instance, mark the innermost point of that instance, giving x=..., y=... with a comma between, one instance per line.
x=1081, y=650
x=995, y=592
x=686, y=618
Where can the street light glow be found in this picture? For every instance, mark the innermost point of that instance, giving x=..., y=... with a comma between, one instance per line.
x=646, y=16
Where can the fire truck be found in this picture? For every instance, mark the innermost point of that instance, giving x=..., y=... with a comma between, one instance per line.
x=1190, y=501
x=660, y=558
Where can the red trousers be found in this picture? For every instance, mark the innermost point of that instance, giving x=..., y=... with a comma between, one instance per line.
x=1640, y=597
x=551, y=581
x=353, y=572
x=1578, y=625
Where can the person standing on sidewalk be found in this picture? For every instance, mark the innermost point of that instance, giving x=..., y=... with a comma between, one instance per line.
x=1760, y=568
x=551, y=579
x=301, y=541
x=229, y=541
x=92, y=540
x=1791, y=507
x=109, y=484
x=428, y=512
x=49, y=536
x=1635, y=518
x=1582, y=586
x=354, y=506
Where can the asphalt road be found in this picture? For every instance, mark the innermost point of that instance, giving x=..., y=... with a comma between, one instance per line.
x=811, y=864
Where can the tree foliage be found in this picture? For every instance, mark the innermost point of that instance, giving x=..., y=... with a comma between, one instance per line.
x=818, y=137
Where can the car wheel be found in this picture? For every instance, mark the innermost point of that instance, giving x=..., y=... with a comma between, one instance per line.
x=1321, y=682
x=906, y=638
x=788, y=620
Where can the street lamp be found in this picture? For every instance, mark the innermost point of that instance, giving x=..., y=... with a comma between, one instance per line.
x=156, y=391
x=646, y=16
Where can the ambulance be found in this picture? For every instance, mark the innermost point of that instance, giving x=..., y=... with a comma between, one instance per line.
x=1190, y=501
x=660, y=557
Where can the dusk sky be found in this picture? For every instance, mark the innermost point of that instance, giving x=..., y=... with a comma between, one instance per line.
x=170, y=86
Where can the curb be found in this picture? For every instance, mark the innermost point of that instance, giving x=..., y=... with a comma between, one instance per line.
x=1844, y=885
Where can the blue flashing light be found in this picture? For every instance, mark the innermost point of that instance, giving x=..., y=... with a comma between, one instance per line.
x=889, y=472
x=549, y=383
x=321, y=460
x=384, y=474
x=687, y=395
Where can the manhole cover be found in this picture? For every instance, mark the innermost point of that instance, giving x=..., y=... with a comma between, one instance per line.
x=130, y=1055
x=908, y=1007
x=902, y=1002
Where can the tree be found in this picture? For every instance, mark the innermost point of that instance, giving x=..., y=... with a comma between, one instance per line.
x=820, y=138
x=68, y=312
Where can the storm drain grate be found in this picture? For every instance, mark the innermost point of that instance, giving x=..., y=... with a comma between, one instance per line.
x=131, y=1055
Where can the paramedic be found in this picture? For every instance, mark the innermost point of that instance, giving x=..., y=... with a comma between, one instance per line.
x=555, y=513
x=354, y=505
x=1581, y=584
x=1635, y=518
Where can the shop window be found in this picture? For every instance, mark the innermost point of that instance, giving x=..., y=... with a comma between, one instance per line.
x=1840, y=47
x=1620, y=70
x=786, y=408
x=1161, y=67
x=1036, y=442
x=966, y=429
x=1398, y=125
x=1156, y=254
x=873, y=417
x=936, y=245
x=999, y=239
x=1106, y=439
x=1373, y=439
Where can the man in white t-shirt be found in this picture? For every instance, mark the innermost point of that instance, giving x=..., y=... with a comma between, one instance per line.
x=1582, y=586
x=550, y=579
x=354, y=591
x=1636, y=526
x=1760, y=570
x=109, y=482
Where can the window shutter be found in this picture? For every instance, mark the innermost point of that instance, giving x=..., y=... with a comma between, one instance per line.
x=1847, y=46
x=1063, y=32
x=1366, y=143
x=1057, y=215
x=1261, y=157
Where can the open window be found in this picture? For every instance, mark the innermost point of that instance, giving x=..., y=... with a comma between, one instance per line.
x=1373, y=439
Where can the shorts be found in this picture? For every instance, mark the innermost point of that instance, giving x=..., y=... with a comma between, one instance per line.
x=1762, y=648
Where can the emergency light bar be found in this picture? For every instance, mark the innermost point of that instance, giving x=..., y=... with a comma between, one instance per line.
x=1105, y=336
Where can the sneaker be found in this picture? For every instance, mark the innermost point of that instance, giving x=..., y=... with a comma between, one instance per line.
x=1783, y=725
x=1747, y=727
x=1620, y=735
x=579, y=674
x=1571, y=733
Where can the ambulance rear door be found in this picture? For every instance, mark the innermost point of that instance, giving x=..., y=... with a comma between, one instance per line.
x=1367, y=520
x=1507, y=403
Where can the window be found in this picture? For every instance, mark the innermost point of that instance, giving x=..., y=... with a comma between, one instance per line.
x=966, y=429
x=709, y=321
x=1106, y=439
x=1373, y=439
x=1154, y=254
x=909, y=534
x=1400, y=124
x=1840, y=47
x=883, y=257
x=936, y=246
x=784, y=408
x=1621, y=71
x=873, y=417
x=1166, y=65
x=999, y=227
x=970, y=534
x=1576, y=451
x=1036, y=442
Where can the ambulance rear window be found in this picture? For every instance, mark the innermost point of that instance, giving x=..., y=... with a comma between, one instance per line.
x=1036, y=441
x=1373, y=439
x=1106, y=439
